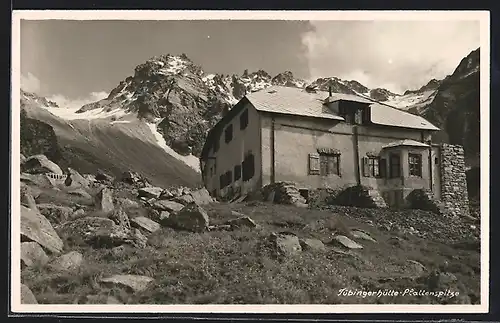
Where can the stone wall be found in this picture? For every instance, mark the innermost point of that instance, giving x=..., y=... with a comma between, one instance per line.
x=454, y=181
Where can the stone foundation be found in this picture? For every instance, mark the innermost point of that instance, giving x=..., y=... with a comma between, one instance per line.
x=423, y=199
x=454, y=194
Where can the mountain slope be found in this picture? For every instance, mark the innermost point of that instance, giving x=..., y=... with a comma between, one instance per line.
x=115, y=147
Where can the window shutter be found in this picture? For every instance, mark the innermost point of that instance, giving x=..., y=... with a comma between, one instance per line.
x=383, y=168
x=313, y=164
x=366, y=167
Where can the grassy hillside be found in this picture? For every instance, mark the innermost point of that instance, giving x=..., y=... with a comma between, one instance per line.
x=239, y=267
x=90, y=145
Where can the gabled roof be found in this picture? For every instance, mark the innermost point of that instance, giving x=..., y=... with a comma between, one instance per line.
x=405, y=142
x=294, y=101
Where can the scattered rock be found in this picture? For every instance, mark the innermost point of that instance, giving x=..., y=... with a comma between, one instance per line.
x=67, y=262
x=40, y=164
x=285, y=244
x=54, y=213
x=164, y=216
x=150, y=192
x=22, y=158
x=120, y=217
x=184, y=199
x=142, y=222
x=416, y=267
x=27, y=198
x=359, y=234
x=81, y=193
x=103, y=177
x=137, y=239
x=134, y=282
x=35, y=227
x=312, y=244
x=284, y=193
x=39, y=180
x=346, y=242
x=201, y=196
x=95, y=231
x=127, y=203
x=27, y=296
x=192, y=218
x=130, y=177
x=220, y=227
x=104, y=200
x=74, y=179
x=165, y=195
x=169, y=206
x=32, y=254
x=242, y=221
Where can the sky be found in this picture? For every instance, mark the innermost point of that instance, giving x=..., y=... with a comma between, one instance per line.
x=75, y=62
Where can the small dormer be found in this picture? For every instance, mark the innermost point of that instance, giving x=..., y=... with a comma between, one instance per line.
x=352, y=110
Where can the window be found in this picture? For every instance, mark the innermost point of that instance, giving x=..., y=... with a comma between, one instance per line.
x=237, y=172
x=248, y=167
x=225, y=179
x=244, y=120
x=324, y=164
x=436, y=161
x=371, y=166
x=228, y=134
x=395, y=166
x=415, y=164
x=329, y=164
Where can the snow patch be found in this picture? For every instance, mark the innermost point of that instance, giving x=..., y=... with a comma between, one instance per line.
x=190, y=160
x=70, y=113
x=120, y=121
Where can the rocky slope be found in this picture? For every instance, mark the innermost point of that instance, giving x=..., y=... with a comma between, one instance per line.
x=99, y=143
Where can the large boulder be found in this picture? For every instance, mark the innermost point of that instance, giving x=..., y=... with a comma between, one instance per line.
x=27, y=296
x=102, y=177
x=80, y=192
x=201, y=196
x=74, y=179
x=150, y=192
x=67, y=262
x=32, y=254
x=135, y=283
x=35, y=227
x=104, y=200
x=40, y=164
x=95, y=231
x=191, y=218
x=170, y=206
x=241, y=221
x=285, y=244
x=146, y=224
x=54, y=213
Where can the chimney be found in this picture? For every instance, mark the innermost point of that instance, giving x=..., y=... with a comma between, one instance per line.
x=330, y=90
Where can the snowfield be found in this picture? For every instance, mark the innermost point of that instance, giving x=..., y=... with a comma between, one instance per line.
x=191, y=161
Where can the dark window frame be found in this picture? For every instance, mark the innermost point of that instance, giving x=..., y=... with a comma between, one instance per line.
x=248, y=167
x=373, y=166
x=415, y=164
x=394, y=172
x=244, y=120
x=329, y=164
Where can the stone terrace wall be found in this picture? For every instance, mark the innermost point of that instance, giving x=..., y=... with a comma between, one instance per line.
x=454, y=181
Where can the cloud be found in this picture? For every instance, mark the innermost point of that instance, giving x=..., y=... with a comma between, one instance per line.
x=397, y=55
x=75, y=104
x=30, y=83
